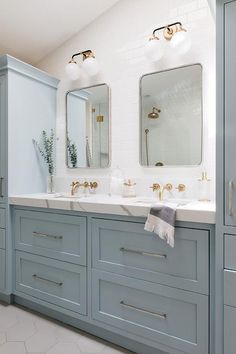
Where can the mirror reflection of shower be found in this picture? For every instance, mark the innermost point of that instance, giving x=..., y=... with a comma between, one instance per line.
x=146, y=144
x=98, y=118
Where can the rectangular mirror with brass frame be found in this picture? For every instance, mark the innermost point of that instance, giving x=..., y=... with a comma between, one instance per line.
x=87, y=127
x=171, y=117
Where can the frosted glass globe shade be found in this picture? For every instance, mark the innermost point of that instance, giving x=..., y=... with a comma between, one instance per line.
x=72, y=70
x=154, y=50
x=91, y=66
x=180, y=42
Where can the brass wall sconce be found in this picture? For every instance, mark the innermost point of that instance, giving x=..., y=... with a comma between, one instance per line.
x=177, y=37
x=90, y=65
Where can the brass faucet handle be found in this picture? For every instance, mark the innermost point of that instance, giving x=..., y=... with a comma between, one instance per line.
x=85, y=184
x=93, y=185
x=73, y=183
x=181, y=187
x=168, y=187
x=155, y=187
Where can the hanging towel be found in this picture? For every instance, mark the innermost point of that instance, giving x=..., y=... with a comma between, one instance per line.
x=88, y=153
x=161, y=220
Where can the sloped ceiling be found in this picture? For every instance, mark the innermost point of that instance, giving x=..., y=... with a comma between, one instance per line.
x=31, y=29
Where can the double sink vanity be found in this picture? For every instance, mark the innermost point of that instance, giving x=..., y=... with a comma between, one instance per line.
x=89, y=262
x=85, y=258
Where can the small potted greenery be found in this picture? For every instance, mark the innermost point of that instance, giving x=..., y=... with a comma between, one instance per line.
x=72, y=153
x=47, y=152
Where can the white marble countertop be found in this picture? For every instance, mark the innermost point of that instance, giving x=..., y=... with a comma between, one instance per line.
x=189, y=211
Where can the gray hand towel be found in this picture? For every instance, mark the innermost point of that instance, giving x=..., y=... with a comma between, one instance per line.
x=161, y=220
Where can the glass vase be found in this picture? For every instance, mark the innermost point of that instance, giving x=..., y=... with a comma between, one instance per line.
x=50, y=184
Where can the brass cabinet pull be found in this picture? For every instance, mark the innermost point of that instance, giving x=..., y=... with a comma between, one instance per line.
x=1, y=187
x=162, y=316
x=143, y=253
x=231, y=184
x=40, y=234
x=35, y=276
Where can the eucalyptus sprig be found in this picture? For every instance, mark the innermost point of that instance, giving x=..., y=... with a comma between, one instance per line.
x=47, y=150
x=72, y=151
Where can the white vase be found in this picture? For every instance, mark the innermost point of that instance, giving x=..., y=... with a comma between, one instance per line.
x=50, y=184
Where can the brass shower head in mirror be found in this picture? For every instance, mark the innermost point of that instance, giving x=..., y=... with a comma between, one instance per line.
x=155, y=113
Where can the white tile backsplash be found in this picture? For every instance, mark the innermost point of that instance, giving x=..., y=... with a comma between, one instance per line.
x=118, y=38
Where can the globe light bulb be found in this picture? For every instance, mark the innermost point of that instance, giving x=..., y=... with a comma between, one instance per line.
x=154, y=49
x=91, y=66
x=72, y=70
x=180, y=42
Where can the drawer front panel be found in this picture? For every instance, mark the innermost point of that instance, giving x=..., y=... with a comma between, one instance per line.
x=56, y=236
x=229, y=330
x=2, y=218
x=230, y=251
x=125, y=248
x=2, y=269
x=162, y=314
x=2, y=238
x=63, y=284
x=230, y=287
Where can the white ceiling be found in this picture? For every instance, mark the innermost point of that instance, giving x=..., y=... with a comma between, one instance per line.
x=31, y=29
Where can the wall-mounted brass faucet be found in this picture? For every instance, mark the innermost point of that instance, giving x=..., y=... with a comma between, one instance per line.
x=75, y=185
x=167, y=187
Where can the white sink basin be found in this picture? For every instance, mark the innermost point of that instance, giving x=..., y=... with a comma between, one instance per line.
x=150, y=201
x=68, y=196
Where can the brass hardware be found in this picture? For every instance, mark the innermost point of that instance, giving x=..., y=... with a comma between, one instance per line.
x=204, y=177
x=93, y=110
x=159, y=164
x=93, y=185
x=35, y=276
x=100, y=119
x=129, y=183
x=161, y=316
x=168, y=30
x=40, y=234
x=181, y=187
x=143, y=253
x=155, y=113
x=76, y=184
x=231, y=185
x=155, y=187
x=1, y=187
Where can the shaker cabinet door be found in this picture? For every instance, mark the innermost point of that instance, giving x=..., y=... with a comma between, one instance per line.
x=230, y=113
x=3, y=142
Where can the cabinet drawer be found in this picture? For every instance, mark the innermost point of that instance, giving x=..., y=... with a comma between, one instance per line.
x=229, y=330
x=230, y=287
x=2, y=218
x=2, y=269
x=159, y=313
x=2, y=238
x=230, y=251
x=62, y=237
x=63, y=284
x=125, y=248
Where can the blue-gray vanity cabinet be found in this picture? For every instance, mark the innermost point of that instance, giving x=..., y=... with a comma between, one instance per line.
x=27, y=107
x=229, y=330
x=225, y=325
x=53, y=281
x=229, y=111
x=3, y=141
x=132, y=284
x=58, y=236
x=125, y=248
x=173, y=317
x=2, y=269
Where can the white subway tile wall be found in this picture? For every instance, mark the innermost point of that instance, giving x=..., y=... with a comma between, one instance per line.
x=118, y=38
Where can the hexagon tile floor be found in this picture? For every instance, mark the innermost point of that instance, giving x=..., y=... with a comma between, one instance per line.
x=25, y=332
